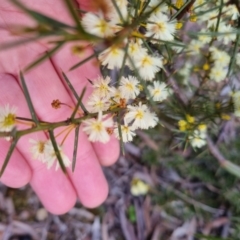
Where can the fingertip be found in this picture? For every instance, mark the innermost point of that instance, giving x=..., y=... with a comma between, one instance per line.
x=59, y=207
x=95, y=199
x=16, y=178
x=54, y=190
x=17, y=173
x=107, y=153
x=88, y=178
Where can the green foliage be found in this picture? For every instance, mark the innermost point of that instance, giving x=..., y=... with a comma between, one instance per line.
x=131, y=214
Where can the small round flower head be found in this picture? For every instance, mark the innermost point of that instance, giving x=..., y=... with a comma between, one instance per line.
x=231, y=10
x=159, y=27
x=140, y=117
x=138, y=187
x=185, y=70
x=221, y=58
x=96, y=129
x=151, y=118
x=97, y=25
x=51, y=157
x=38, y=150
x=230, y=33
x=116, y=94
x=44, y=152
x=157, y=6
x=194, y=47
x=97, y=104
x=135, y=50
x=112, y=57
x=127, y=132
x=158, y=92
x=135, y=47
x=199, y=5
x=129, y=87
x=198, y=139
x=147, y=66
x=101, y=87
x=218, y=74
x=204, y=37
x=210, y=17
x=114, y=16
x=7, y=118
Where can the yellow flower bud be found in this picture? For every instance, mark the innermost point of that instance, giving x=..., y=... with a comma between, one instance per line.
x=190, y=118
x=225, y=116
x=179, y=25
x=182, y=125
x=206, y=66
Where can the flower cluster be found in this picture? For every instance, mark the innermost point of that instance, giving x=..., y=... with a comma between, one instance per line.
x=157, y=26
x=131, y=53
x=221, y=62
x=197, y=133
x=133, y=115
x=218, y=31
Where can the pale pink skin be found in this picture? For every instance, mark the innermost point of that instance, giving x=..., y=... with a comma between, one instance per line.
x=57, y=192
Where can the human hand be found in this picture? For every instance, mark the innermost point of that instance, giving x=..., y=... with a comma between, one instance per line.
x=56, y=191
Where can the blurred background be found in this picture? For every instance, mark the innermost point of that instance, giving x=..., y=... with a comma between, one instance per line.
x=157, y=192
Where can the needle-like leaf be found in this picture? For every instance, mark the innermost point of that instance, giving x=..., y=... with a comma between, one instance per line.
x=118, y=11
x=57, y=152
x=70, y=85
x=45, y=56
x=9, y=154
x=219, y=15
x=120, y=135
x=124, y=62
x=83, y=61
x=233, y=58
x=74, y=92
x=74, y=15
x=180, y=13
x=79, y=102
x=75, y=147
x=28, y=99
x=11, y=44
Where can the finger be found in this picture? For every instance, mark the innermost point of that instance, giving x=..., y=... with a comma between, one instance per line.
x=87, y=177
x=107, y=153
x=12, y=17
x=52, y=8
x=14, y=60
x=44, y=90
x=18, y=173
x=53, y=188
